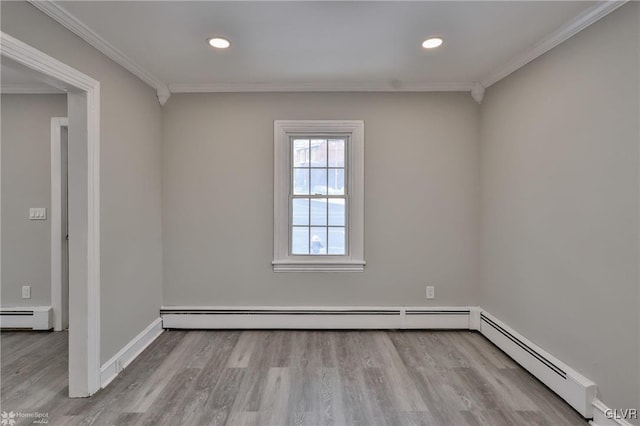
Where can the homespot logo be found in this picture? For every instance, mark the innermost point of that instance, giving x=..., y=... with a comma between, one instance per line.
x=8, y=419
x=622, y=413
x=11, y=418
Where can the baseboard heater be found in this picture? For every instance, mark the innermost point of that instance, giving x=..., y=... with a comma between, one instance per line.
x=314, y=318
x=577, y=390
x=32, y=318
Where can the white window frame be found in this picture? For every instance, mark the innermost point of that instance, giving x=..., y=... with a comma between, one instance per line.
x=353, y=260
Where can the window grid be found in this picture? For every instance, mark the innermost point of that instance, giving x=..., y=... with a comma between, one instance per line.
x=311, y=195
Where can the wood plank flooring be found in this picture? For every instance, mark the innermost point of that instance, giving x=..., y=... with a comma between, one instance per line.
x=287, y=378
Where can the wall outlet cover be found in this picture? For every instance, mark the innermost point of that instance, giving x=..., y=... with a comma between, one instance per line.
x=431, y=294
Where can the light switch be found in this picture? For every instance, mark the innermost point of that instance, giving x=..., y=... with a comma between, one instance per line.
x=38, y=213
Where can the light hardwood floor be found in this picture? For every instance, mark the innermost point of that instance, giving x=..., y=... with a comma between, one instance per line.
x=287, y=378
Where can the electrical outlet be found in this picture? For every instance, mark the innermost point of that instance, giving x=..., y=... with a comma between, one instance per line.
x=26, y=292
x=431, y=292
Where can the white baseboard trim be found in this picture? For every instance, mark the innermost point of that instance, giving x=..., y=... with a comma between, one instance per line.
x=575, y=389
x=129, y=352
x=34, y=317
x=314, y=317
x=605, y=416
x=474, y=318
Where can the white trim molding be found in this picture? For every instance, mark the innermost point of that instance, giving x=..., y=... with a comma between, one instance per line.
x=568, y=30
x=575, y=389
x=605, y=416
x=84, y=334
x=163, y=94
x=477, y=93
x=129, y=352
x=163, y=91
x=29, y=89
x=320, y=265
x=319, y=87
x=73, y=24
x=34, y=318
x=353, y=260
x=57, y=123
x=318, y=317
x=474, y=318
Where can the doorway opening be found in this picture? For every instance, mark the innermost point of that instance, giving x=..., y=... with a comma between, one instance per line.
x=83, y=195
x=60, y=223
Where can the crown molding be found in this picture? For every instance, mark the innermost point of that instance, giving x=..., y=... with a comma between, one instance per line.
x=568, y=30
x=477, y=92
x=29, y=89
x=73, y=24
x=319, y=87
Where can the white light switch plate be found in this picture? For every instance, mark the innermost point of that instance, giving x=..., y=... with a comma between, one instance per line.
x=38, y=213
x=26, y=292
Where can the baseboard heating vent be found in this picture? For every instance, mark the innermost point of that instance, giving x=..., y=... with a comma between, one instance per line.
x=36, y=318
x=279, y=317
x=571, y=386
x=534, y=353
x=436, y=318
x=275, y=312
x=315, y=317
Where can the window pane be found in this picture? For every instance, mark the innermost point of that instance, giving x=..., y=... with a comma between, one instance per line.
x=319, y=211
x=337, y=212
x=336, y=181
x=318, y=153
x=300, y=211
x=318, y=241
x=300, y=153
x=336, y=152
x=319, y=181
x=301, y=181
x=336, y=241
x=300, y=240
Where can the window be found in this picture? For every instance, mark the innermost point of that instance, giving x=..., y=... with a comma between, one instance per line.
x=319, y=196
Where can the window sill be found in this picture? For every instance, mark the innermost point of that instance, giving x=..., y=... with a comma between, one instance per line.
x=319, y=266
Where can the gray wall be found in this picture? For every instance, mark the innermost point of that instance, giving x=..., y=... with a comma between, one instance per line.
x=560, y=203
x=558, y=206
x=26, y=182
x=130, y=162
x=421, y=199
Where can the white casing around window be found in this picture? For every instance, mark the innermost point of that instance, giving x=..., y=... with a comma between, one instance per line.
x=353, y=261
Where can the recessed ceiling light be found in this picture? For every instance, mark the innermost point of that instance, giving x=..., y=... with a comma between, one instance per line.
x=432, y=43
x=219, y=42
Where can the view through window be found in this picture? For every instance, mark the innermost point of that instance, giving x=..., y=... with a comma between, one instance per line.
x=318, y=194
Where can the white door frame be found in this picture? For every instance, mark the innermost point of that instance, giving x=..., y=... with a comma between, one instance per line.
x=84, y=216
x=57, y=123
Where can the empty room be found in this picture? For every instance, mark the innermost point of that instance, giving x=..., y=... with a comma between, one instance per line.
x=320, y=213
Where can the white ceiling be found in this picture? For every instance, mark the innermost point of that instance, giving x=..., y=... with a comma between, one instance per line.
x=322, y=42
